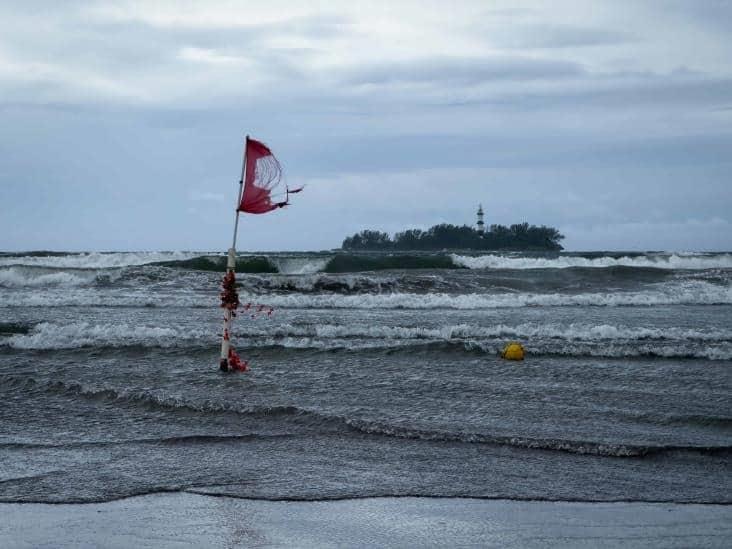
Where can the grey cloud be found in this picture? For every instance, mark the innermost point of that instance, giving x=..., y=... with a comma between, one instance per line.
x=321, y=26
x=541, y=35
x=397, y=153
x=464, y=70
x=234, y=35
x=621, y=91
x=707, y=92
x=711, y=14
x=71, y=60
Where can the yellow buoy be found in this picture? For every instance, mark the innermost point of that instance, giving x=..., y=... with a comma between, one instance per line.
x=513, y=351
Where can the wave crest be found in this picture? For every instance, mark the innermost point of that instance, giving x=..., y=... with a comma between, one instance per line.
x=320, y=420
x=47, y=335
x=654, y=261
x=539, y=338
x=94, y=260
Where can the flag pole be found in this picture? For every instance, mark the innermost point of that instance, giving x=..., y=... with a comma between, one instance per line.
x=241, y=190
x=231, y=266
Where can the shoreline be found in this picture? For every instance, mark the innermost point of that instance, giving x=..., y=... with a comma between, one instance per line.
x=185, y=519
x=337, y=499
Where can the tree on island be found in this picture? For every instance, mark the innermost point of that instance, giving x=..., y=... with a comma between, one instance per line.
x=520, y=236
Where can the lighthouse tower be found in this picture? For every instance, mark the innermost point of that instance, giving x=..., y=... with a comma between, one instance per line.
x=481, y=225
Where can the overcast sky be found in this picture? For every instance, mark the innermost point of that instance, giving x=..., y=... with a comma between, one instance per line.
x=122, y=123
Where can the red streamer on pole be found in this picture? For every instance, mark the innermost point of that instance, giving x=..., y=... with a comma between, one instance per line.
x=261, y=177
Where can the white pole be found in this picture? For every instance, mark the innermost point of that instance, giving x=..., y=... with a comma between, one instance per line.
x=241, y=191
x=226, y=336
x=230, y=267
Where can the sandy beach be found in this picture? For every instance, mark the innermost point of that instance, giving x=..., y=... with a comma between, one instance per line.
x=191, y=520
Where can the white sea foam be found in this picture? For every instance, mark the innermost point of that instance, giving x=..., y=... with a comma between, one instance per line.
x=684, y=292
x=687, y=293
x=673, y=261
x=90, y=297
x=49, y=335
x=568, y=332
x=562, y=339
x=20, y=277
x=97, y=260
x=299, y=265
x=310, y=265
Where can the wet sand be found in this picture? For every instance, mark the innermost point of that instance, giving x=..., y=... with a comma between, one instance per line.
x=191, y=520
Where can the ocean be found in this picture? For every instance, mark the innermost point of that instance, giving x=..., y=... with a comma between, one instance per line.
x=373, y=375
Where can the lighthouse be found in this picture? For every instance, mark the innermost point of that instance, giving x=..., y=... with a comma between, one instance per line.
x=481, y=225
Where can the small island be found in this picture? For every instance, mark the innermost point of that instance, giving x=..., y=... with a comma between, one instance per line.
x=445, y=236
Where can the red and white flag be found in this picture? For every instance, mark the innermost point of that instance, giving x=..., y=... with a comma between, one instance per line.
x=263, y=175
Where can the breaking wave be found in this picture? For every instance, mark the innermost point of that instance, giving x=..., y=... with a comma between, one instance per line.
x=27, y=277
x=76, y=297
x=687, y=293
x=348, y=283
x=304, y=264
x=299, y=265
x=48, y=335
x=656, y=261
x=346, y=262
x=94, y=260
x=681, y=292
x=542, y=339
x=570, y=332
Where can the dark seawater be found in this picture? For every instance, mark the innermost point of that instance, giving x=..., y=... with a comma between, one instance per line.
x=368, y=379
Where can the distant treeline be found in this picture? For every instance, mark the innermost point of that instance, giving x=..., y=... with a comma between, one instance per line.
x=521, y=236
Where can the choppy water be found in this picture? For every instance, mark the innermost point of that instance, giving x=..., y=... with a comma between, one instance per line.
x=368, y=379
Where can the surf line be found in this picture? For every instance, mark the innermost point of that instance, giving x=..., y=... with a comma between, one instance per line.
x=259, y=188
